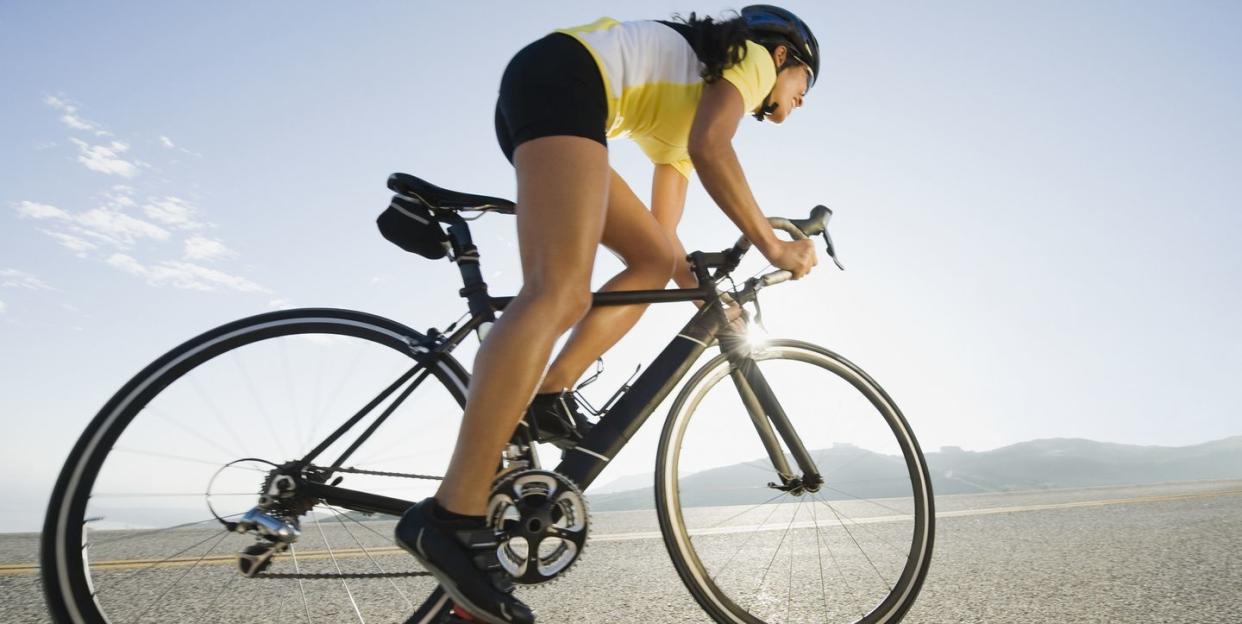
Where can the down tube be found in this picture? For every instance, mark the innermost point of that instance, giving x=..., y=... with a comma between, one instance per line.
x=584, y=462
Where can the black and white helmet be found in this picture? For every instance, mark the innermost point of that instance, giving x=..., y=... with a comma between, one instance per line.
x=774, y=25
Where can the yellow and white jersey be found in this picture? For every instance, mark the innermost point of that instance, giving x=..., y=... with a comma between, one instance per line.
x=651, y=76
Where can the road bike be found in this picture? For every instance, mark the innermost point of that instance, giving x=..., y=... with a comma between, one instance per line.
x=253, y=473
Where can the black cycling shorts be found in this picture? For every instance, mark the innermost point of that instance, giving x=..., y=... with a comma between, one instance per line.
x=552, y=87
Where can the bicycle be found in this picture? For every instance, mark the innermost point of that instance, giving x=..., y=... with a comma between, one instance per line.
x=742, y=479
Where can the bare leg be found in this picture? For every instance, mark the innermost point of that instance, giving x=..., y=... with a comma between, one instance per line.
x=635, y=234
x=562, y=193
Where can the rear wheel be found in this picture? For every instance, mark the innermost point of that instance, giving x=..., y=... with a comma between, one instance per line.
x=137, y=529
x=855, y=550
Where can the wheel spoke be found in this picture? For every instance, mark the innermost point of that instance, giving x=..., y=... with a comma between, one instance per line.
x=789, y=588
x=174, y=429
x=227, y=583
x=337, y=565
x=742, y=513
x=778, y=550
x=135, y=573
x=819, y=558
x=861, y=445
x=150, y=532
x=342, y=380
x=165, y=418
x=157, y=599
x=873, y=532
x=836, y=564
x=258, y=403
x=867, y=500
x=301, y=586
x=856, y=544
x=211, y=406
x=166, y=494
x=338, y=515
x=171, y=457
x=751, y=535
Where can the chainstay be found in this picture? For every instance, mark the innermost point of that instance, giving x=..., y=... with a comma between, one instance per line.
x=355, y=575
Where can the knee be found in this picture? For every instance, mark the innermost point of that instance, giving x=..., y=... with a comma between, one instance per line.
x=561, y=304
x=658, y=263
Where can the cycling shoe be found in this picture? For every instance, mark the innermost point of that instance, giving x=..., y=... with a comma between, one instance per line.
x=460, y=556
x=557, y=419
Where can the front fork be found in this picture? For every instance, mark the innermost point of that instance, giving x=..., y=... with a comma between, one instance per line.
x=766, y=414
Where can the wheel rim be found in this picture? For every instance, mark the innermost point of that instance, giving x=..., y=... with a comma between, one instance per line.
x=855, y=551
x=164, y=410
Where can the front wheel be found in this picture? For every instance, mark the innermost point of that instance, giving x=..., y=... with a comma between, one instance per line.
x=139, y=528
x=855, y=549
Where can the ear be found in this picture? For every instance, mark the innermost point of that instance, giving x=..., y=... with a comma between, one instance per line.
x=779, y=54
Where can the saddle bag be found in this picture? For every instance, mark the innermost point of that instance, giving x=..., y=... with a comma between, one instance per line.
x=409, y=224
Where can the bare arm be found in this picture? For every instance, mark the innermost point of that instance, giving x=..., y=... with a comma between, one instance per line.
x=668, y=201
x=711, y=149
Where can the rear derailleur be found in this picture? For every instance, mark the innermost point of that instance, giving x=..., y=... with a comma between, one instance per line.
x=275, y=521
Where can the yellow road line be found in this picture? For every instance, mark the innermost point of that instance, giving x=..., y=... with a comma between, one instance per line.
x=9, y=569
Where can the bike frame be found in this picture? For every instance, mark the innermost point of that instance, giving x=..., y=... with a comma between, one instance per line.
x=583, y=463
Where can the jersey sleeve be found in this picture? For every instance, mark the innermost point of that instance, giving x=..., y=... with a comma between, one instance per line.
x=661, y=153
x=754, y=77
x=684, y=167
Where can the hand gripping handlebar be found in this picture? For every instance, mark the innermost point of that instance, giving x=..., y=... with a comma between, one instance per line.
x=799, y=229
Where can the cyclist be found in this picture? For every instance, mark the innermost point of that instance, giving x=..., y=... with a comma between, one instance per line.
x=679, y=90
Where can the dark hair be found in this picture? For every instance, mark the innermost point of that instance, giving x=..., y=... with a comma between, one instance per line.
x=719, y=45
x=722, y=44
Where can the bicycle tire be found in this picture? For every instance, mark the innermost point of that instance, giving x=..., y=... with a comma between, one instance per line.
x=65, y=552
x=680, y=540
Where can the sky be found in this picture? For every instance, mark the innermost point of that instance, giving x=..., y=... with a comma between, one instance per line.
x=1037, y=204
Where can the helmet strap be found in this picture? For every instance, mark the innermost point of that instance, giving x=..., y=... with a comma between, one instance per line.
x=767, y=108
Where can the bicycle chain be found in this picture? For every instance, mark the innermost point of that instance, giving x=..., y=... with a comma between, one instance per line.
x=381, y=473
x=312, y=576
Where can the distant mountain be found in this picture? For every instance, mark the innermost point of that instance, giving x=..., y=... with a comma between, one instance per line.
x=1038, y=464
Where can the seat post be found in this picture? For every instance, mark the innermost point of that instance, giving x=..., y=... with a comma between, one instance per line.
x=466, y=255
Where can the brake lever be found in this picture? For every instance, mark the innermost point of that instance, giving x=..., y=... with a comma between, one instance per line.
x=832, y=253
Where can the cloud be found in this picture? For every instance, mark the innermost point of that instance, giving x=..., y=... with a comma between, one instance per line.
x=127, y=264
x=121, y=196
x=32, y=210
x=203, y=248
x=3, y=307
x=173, y=212
x=280, y=304
x=77, y=245
x=119, y=223
x=117, y=227
x=108, y=224
x=13, y=278
x=105, y=158
x=184, y=275
x=70, y=117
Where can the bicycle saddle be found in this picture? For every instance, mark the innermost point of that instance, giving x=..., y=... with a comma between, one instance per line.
x=437, y=197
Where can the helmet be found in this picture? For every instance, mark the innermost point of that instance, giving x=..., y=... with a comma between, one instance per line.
x=774, y=25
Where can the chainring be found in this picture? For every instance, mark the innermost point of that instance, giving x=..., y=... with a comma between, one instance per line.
x=542, y=522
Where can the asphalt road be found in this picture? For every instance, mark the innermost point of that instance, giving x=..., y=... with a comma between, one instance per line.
x=1156, y=553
